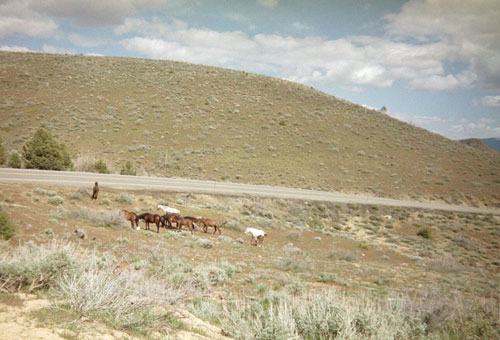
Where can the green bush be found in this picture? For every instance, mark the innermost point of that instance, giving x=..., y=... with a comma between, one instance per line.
x=127, y=169
x=425, y=233
x=100, y=166
x=7, y=230
x=44, y=152
x=15, y=161
x=3, y=157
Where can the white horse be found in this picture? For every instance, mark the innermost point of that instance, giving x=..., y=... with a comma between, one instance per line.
x=257, y=236
x=168, y=209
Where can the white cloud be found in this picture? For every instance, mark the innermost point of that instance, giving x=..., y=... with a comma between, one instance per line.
x=454, y=128
x=467, y=32
x=16, y=18
x=7, y=48
x=490, y=101
x=33, y=27
x=268, y=3
x=350, y=62
x=442, y=83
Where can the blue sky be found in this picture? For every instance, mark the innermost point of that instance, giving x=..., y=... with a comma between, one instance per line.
x=432, y=63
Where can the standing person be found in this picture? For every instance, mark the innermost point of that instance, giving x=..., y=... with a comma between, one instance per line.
x=95, y=191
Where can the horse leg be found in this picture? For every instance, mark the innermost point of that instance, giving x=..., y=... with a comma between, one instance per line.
x=158, y=227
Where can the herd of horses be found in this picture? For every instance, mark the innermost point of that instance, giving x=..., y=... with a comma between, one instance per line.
x=171, y=221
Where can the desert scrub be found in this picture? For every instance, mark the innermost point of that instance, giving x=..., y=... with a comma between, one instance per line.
x=123, y=198
x=133, y=300
x=55, y=200
x=32, y=267
x=332, y=315
x=99, y=218
x=7, y=229
x=207, y=310
x=343, y=255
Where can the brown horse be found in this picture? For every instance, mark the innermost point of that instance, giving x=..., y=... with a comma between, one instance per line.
x=181, y=221
x=132, y=217
x=95, y=191
x=207, y=222
x=150, y=218
x=171, y=218
x=194, y=220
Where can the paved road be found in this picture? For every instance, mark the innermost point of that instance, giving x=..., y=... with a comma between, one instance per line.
x=77, y=179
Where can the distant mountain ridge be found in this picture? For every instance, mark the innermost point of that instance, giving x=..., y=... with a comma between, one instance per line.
x=478, y=144
x=493, y=143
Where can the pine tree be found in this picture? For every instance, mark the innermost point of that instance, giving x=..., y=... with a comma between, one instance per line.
x=44, y=152
x=15, y=161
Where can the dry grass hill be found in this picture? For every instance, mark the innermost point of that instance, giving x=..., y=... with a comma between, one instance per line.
x=185, y=120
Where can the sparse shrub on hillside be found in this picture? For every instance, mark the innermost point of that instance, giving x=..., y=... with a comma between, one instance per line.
x=123, y=198
x=7, y=229
x=344, y=255
x=100, y=166
x=128, y=169
x=55, y=200
x=100, y=218
x=33, y=267
x=3, y=156
x=44, y=152
x=330, y=315
x=15, y=160
x=425, y=232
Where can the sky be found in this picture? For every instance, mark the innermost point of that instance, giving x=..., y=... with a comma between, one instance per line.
x=432, y=63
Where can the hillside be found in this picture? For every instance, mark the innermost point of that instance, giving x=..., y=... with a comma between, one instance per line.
x=185, y=120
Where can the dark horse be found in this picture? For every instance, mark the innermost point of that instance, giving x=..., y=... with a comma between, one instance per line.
x=171, y=218
x=151, y=218
x=132, y=217
x=95, y=191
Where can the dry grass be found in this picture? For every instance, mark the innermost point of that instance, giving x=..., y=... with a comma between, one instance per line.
x=178, y=119
x=355, y=268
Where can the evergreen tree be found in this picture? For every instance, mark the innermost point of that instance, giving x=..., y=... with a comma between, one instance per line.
x=44, y=152
x=15, y=160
